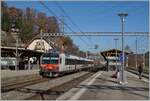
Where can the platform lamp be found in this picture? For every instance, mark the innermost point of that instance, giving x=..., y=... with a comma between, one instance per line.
x=15, y=30
x=123, y=76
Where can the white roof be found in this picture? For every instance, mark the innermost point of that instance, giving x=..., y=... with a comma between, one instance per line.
x=77, y=58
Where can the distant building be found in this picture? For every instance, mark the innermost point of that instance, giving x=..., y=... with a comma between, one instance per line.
x=132, y=60
x=147, y=59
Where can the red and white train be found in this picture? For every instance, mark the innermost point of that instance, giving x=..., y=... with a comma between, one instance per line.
x=55, y=64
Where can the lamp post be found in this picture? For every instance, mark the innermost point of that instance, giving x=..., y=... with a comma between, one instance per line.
x=122, y=16
x=16, y=31
x=143, y=59
x=116, y=39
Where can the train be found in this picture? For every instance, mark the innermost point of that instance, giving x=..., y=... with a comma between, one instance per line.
x=57, y=64
x=8, y=63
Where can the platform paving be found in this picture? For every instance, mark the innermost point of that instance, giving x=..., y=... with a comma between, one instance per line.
x=7, y=75
x=102, y=87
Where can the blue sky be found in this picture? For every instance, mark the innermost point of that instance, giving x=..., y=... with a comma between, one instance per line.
x=99, y=16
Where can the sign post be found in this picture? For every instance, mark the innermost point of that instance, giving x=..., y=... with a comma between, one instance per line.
x=122, y=73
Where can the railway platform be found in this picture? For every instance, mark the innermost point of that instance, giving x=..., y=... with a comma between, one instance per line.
x=10, y=75
x=101, y=86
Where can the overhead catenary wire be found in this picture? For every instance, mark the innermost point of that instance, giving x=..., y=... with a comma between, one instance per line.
x=51, y=11
x=135, y=8
x=64, y=12
x=69, y=18
x=54, y=14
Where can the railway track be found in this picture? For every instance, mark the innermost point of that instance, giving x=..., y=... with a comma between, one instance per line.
x=45, y=88
x=8, y=86
x=17, y=84
x=55, y=92
x=135, y=72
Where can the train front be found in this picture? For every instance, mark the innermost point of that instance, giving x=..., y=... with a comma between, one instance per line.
x=50, y=65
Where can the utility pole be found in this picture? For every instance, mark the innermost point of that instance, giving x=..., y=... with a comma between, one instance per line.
x=41, y=32
x=123, y=77
x=16, y=31
x=62, y=24
x=116, y=39
x=136, y=53
x=62, y=31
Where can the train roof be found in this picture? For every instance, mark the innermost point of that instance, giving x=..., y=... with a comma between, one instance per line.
x=77, y=58
x=67, y=56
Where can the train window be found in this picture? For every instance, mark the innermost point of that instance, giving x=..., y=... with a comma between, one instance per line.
x=81, y=62
x=45, y=61
x=50, y=58
x=50, y=61
x=53, y=61
x=70, y=62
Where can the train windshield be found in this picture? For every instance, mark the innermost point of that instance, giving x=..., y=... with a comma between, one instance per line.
x=50, y=59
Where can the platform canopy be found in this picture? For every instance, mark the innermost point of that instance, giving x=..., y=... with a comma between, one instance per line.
x=112, y=52
x=11, y=51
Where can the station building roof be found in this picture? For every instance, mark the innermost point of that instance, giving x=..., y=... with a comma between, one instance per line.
x=49, y=40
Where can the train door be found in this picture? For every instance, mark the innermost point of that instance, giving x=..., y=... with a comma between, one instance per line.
x=62, y=62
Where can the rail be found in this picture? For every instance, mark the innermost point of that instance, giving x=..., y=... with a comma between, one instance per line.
x=145, y=74
x=14, y=85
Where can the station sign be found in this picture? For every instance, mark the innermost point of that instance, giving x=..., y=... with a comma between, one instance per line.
x=121, y=57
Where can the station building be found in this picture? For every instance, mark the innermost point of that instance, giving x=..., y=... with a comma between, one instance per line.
x=38, y=44
x=29, y=53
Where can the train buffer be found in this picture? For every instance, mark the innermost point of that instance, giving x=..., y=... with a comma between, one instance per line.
x=102, y=87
